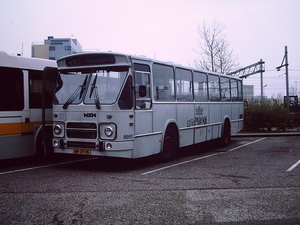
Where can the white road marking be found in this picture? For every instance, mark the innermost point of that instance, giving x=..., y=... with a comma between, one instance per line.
x=250, y=143
x=39, y=167
x=293, y=166
x=203, y=157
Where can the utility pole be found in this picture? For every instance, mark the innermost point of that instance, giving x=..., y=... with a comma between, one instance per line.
x=285, y=59
x=261, y=82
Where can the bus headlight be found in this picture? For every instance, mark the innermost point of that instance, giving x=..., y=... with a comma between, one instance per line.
x=108, y=131
x=58, y=129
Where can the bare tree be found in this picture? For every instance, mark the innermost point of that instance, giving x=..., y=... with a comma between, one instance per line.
x=215, y=52
x=294, y=90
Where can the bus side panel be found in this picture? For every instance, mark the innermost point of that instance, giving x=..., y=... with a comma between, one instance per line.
x=215, y=113
x=185, y=122
x=235, y=113
x=241, y=113
x=215, y=118
x=162, y=113
x=146, y=145
x=236, y=121
x=143, y=122
x=201, y=121
x=200, y=134
x=16, y=146
x=226, y=113
x=10, y=125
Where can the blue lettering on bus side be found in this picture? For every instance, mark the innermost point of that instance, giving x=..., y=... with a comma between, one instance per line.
x=199, y=120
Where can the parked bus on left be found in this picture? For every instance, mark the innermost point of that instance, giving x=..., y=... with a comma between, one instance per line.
x=25, y=106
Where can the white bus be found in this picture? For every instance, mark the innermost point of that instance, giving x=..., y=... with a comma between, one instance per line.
x=117, y=105
x=21, y=114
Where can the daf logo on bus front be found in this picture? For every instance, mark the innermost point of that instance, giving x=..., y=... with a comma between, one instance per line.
x=89, y=114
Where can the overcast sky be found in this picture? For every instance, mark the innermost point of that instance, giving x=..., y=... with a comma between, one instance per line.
x=163, y=29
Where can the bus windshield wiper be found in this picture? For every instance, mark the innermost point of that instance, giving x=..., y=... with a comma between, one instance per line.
x=94, y=89
x=79, y=91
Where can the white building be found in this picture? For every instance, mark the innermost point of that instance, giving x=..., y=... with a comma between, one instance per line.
x=55, y=48
x=248, y=92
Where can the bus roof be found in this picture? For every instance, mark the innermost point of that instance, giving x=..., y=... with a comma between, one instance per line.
x=143, y=58
x=122, y=59
x=24, y=62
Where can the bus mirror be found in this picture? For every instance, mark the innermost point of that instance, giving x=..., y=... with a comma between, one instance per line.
x=142, y=91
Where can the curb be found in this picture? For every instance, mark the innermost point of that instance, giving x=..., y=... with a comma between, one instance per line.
x=266, y=134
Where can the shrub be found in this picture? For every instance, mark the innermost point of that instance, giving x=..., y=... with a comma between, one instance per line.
x=268, y=116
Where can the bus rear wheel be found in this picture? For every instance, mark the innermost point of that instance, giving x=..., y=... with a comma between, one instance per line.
x=226, y=136
x=170, y=146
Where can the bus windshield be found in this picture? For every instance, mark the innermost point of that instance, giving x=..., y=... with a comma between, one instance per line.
x=90, y=87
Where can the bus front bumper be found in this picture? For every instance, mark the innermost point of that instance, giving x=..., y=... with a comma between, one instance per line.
x=97, y=148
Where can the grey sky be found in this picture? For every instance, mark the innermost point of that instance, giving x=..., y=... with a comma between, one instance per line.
x=164, y=29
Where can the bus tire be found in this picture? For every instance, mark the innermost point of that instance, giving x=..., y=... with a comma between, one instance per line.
x=226, y=134
x=170, y=145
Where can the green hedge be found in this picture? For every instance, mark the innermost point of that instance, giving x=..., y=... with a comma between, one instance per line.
x=269, y=116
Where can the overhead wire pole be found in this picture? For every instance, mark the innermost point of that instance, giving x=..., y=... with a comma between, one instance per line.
x=285, y=59
x=247, y=71
x=261, y=82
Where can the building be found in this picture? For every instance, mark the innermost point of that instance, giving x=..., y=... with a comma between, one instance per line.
x=248, y=93
x=55, y=48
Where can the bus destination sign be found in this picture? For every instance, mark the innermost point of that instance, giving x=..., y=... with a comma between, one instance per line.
x=89, y=60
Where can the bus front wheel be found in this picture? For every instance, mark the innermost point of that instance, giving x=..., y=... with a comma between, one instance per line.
x=170, y=145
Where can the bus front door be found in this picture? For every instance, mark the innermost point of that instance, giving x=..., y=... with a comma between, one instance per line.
x=143, y=103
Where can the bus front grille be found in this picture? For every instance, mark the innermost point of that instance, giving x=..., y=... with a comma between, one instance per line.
x=85, y=134
x=82, y=130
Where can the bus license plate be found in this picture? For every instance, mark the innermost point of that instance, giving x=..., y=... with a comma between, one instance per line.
x=82, y=151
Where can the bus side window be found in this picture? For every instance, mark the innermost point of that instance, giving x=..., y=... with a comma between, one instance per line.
x=11, y=89
x=240, y=91
x=225, y=89
x=213, y=88
x=184, y=85
x=164, y=83
x=200, y=87
x=234, y=90
x=36, y=89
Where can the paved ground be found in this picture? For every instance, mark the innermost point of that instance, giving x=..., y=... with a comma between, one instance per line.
x=246, y=183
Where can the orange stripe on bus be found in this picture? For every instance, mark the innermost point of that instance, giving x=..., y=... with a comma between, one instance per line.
x=18, y=128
